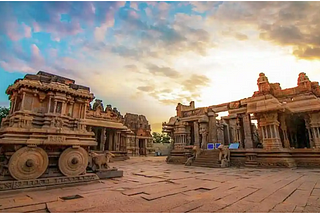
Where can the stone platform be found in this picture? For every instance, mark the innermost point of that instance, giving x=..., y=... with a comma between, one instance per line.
x=150, y=185
x=10, y=185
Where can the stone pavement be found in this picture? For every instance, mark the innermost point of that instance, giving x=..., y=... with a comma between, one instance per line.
x=151, y=185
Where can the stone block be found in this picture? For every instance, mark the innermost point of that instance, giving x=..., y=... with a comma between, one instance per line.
x=110, y=174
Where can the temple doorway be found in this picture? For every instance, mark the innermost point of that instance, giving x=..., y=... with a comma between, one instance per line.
x=142, y=146
x=297, y=131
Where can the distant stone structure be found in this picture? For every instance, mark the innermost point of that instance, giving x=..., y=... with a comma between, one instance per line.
x=139, y=139
x=286, y=132
x=122, y=136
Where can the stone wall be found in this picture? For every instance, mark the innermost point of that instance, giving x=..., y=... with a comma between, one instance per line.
x=163, y=148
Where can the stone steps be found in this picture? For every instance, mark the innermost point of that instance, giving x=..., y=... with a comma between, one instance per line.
x=253, y=164
x=207, y=159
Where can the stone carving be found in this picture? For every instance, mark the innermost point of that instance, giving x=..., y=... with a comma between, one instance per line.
x=41, y=182
x=224, y=155
x=57, y=122
x=100, y=161
x=234, y=105
x=39, y=125
x=263, y=83
x=195, y=112
x=195, y=152
x=302, y=79
x=56, y=139
x=204, y=133
x=98, y=104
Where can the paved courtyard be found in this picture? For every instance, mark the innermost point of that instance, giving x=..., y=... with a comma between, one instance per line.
x=151, y=185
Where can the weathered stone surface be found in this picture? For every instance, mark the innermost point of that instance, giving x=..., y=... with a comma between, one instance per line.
x=210, y=190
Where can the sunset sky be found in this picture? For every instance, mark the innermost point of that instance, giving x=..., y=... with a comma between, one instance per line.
x=145, y=57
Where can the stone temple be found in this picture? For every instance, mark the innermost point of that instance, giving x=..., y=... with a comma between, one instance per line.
x=53, y=135
x=274, y=128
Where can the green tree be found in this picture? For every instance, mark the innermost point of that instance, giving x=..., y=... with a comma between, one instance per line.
x=165, y=138
x=160, y=138
x=156, y=137
x=3, y=113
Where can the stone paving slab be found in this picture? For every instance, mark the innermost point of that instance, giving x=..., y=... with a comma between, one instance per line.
x=151, y=185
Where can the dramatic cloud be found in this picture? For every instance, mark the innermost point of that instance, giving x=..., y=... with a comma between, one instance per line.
x=166, y=71
x=294, y=24
x=136, y=54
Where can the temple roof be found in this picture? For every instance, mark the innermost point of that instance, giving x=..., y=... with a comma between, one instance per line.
x=49, y=82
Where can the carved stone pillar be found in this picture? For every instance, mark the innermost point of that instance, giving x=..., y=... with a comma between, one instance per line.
x=145, y=146
x=13, y=103
x=55, y=106
x=49, y=106
x=117, y=141
x=314, y=125
x=247, y=131
x=180, y=136
x=85, y=110
x=283, y=125
x=239, y=133
x=307, y=122
x=212, y=132
x=23, y=100
x=103, y=139
x=269, y=124
x=196, y=133
x=204, y=134
x=110, y=146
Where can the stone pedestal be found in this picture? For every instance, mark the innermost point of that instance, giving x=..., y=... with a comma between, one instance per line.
x=111, y=173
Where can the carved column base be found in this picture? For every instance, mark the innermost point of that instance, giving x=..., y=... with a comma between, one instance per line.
x=272, y=143
x=317, y=143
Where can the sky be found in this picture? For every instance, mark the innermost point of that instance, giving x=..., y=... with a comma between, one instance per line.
x=145, y=57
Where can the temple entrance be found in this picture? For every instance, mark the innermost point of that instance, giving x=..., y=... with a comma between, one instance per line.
x=297, y=131
x=142, y=146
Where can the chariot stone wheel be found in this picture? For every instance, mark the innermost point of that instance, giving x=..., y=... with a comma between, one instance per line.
x=28, y=163
x=73, y=161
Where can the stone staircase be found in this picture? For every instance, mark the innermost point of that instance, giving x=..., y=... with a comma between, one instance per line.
x=207, y=158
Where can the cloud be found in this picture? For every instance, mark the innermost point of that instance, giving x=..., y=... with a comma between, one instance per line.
x=27, y=30
x=182, y=90
x=293, y=24
x=48, y=19
x=99, y=33
x=195, y=82
x=146, y=88
x=308, y=53
x=165, y=71
x=204, y=6
x=241, y=36
x=37, y=59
